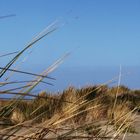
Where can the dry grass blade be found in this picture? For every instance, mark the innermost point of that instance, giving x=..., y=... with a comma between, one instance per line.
x=17, y=88
x=118, y=86
x=3, y=55
x=78, y=101
x=73, y=115
x=46, y=32
x=73, y=109
x=22, y=82
x=115, y=100
x=28, y=73
x=124, y=125
x=18, y=93
x=46, y=72
x=81, y=113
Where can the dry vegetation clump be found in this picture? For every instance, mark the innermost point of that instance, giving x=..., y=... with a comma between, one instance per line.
x=67, y=97
x=17, y=116
x=92, y=112
x=87, y=111
x=78, y=113
x=119, y=90
x=48, y=105
x=120, y=110
x=3, y=102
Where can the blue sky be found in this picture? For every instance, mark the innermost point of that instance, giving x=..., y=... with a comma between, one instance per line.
x=98, y=32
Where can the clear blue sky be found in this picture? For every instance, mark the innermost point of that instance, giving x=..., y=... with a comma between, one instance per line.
x=98, y=32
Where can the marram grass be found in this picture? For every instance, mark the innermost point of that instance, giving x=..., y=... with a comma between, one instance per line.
x=87, y=118
x=91, y=112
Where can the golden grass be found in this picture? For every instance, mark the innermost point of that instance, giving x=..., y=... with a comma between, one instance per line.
x=83, y=116
x=92, y=112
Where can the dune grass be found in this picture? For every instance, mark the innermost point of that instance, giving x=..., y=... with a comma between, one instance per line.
x=87, y=118
x=92, y=112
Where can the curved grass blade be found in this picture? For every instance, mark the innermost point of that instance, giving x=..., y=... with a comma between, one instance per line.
x=7, y=54
x=47, y=71
x=21, y=82
x=17, y=88
x=41, y=35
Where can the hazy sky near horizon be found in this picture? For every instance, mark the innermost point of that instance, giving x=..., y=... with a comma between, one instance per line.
x=98, y=32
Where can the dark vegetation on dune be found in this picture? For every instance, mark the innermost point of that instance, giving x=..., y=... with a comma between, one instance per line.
x=52, y=104
x=95, y=106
